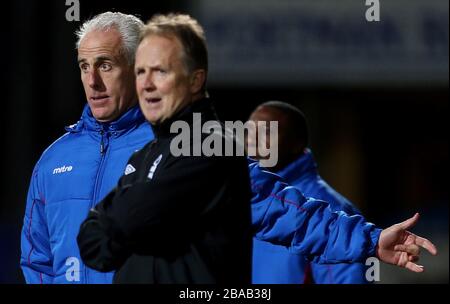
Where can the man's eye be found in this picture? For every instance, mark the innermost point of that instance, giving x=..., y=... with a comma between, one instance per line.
x=105, y=67
x=84, y=67
x=139, y=72
x=161, y=71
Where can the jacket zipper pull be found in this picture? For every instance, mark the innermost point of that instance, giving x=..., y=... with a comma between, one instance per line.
x=102, y=147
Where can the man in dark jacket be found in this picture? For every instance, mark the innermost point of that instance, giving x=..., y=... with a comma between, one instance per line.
x=186, y=219
x=173, y=218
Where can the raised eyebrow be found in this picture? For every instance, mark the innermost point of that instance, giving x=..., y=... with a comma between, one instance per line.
x=157, y=67
x=138, y=69
x=97, y=59
x=103, y=58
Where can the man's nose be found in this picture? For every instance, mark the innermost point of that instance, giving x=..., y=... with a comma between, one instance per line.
x=94, y=80
x=149, y=84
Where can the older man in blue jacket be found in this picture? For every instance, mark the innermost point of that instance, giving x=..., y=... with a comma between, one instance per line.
x=82, y=166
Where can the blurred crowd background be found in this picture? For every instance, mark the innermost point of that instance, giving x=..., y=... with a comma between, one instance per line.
x=375, y=95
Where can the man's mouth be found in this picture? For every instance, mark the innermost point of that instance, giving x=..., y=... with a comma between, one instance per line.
x=152, y=99
x=99, y=98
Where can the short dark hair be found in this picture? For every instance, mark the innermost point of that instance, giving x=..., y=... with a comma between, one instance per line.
x=296, y=120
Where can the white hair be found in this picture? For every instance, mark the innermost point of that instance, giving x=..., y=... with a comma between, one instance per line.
x=129, y=27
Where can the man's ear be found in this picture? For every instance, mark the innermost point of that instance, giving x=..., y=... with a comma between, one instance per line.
x=198, y=78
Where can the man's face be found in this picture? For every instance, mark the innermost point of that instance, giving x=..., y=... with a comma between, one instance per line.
x=162, y=82
x=108, y=79
x=266, y=115
x=286, y=147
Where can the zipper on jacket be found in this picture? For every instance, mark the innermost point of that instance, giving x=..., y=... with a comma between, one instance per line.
x=102, y=147
x=98, y=179
x=99, y=175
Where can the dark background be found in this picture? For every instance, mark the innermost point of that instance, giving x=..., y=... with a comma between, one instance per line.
x=384, y=147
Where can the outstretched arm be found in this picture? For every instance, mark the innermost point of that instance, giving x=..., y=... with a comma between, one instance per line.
x=400, y=247
x=282, y=215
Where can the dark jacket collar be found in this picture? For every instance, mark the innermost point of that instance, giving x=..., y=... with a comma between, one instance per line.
x=203, y=106
x=131, y=118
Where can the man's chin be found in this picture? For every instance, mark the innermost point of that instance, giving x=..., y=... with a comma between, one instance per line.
x=155, y=121
x=102, y=116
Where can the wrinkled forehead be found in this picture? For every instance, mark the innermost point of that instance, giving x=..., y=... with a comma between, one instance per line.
x=157, y=49
x=168, y=42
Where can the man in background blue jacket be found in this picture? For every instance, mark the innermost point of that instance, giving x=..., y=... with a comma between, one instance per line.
x=82, y=166
x=298, y=168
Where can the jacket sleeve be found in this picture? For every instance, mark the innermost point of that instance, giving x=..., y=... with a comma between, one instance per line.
x=340, y=273
x=282, y=215
x=36, y=259
x=156, y=210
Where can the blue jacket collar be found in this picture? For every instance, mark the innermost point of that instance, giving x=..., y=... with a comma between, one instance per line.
x=303, y=165
x=127, y=121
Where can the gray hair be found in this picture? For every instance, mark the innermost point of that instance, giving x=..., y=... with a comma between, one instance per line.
x=129, y=27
